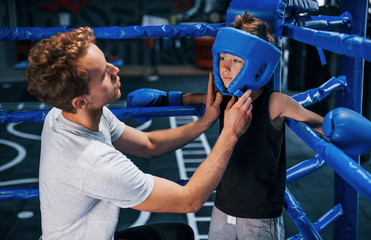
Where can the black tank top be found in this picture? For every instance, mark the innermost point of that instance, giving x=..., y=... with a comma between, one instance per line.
x=253, y=185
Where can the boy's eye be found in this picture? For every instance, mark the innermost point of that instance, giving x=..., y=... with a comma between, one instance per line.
x=237, y=60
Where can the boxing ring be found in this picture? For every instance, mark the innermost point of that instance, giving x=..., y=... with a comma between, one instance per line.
x=350, y=178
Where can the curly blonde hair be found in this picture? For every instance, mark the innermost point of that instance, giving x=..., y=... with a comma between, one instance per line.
x=53, y=73
x=250, y=24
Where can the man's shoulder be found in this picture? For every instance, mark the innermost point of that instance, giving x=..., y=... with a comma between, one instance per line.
x=54, y=112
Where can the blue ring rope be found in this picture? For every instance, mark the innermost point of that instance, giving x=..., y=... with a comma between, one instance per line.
x=341, y=43
x=128, y=32
x=121, y=113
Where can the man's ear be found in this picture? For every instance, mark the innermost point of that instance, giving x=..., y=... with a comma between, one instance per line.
x=78, y=102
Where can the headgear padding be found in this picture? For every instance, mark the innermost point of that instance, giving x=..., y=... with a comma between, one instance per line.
x=260, y=60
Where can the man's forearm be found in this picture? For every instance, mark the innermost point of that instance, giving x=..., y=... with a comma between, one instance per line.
x=207, y=176
x=164, y=141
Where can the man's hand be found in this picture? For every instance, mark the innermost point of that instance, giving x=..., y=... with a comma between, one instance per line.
x=238, y=114
x=213, y=100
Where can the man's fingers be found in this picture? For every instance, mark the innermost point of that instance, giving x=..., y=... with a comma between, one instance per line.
x=211, y=88
x=242, y=100
x=230, y=103
x=218, y=98
x=248, y=102
x=249, y=107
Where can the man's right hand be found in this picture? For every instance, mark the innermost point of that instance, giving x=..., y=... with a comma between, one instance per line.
x=213, y=101
x=238, y=114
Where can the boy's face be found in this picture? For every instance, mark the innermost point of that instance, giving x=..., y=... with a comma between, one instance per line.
x=104, y=82
x=229, y=67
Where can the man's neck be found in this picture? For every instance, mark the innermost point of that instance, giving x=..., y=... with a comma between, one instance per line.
x=88, y=119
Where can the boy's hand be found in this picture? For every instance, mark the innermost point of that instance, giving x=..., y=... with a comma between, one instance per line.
x=238, y=115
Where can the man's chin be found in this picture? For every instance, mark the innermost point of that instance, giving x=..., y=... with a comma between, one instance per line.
x=117, y=97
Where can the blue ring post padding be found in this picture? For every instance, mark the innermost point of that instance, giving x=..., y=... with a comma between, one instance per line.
x=341, y=163
x=128, y=32
x=345, y=44
x=299, y=218
x=353, y=68
x=269, y=11
x=304, y=168
x=324, y=221
x=315, y=95
x=19, y=193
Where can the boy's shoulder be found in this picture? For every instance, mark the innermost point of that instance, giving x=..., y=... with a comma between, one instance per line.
x=279, y=95
x=279, y=100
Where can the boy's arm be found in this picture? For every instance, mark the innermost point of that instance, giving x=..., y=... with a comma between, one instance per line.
x=282, y=106
x=147, y=97
x=193, y=98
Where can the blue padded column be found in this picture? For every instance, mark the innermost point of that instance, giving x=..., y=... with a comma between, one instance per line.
x=347, y=226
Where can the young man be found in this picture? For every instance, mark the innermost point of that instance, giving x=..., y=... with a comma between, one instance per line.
x=85, y=178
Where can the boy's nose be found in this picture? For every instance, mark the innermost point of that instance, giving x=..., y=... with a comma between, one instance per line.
x=227, y=65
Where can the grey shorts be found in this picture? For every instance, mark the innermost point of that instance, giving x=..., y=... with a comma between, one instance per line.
x=227, y=227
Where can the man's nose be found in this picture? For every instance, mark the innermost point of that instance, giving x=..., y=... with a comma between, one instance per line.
x=115, y=71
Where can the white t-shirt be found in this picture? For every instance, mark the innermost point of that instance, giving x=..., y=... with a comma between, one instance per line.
x=84, y=180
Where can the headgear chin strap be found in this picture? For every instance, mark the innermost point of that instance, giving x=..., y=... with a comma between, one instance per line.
x=261, y=59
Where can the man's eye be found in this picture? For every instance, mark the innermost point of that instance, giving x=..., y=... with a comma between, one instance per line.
x=237, y=61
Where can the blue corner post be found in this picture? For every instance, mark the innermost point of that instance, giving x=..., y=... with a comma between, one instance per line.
x=346, y=227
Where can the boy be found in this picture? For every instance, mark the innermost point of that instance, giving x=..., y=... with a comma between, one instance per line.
x=250, y=197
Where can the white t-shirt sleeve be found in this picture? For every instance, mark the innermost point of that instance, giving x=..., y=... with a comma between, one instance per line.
x=115, y=126
x=114, y=177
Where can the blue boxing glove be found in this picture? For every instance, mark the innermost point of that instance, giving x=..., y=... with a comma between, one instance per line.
x=348, y=130
x=147, y=97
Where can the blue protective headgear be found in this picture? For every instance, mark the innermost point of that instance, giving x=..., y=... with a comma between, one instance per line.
x=261, y=59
